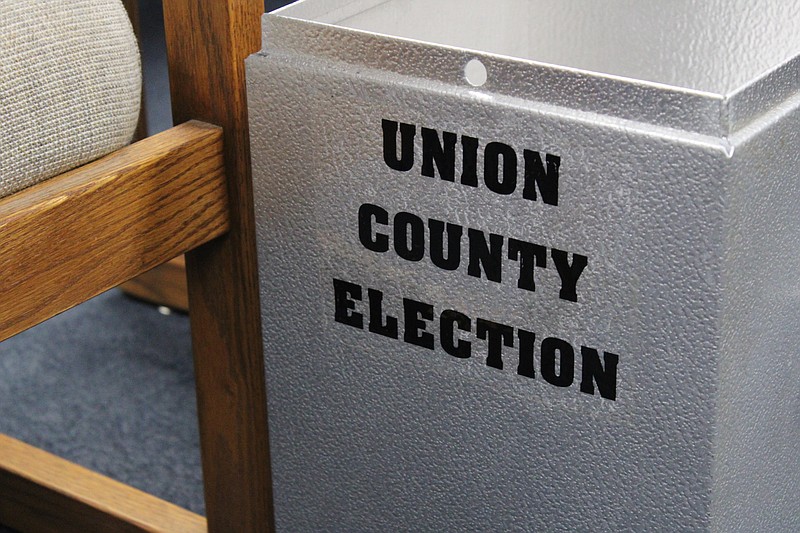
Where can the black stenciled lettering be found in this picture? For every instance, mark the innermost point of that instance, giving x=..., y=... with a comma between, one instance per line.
x=498, y=335
x=566, y=366
x=409, y=236
x=537, y=176
x=407, y=133
x=569, y=273
x=450, y=342
x=443, y=153
x=557, y=364
x=526, y=343
x=366, y=214
x=376, y=319
x=469, y=152
x=486, y=257
x=345, y=296
x=604, y=374
x=414, y=316
x=452, y=259
x=491, y=168
x=529, y=256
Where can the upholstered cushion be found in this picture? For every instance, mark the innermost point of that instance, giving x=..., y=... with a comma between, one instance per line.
x=70, y=85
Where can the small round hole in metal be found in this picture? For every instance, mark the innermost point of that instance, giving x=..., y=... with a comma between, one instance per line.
x=475, y=73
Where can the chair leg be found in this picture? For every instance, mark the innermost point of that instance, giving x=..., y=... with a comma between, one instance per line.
x=207, y=43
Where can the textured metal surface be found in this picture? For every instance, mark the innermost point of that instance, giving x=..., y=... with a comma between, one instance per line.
x=756, y=476
x=688, y=223
x=707, y=45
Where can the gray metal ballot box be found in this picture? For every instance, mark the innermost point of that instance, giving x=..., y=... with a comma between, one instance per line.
x=530, y=265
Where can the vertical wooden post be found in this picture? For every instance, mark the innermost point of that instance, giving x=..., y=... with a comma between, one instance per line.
x=207, y=42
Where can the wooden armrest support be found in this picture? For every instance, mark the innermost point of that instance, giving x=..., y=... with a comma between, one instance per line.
x=74, y=236
x=44, y=493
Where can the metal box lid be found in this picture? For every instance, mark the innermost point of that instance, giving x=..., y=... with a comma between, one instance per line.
x=709, y=67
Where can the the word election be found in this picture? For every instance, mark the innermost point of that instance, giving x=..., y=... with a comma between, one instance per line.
x=556, y=357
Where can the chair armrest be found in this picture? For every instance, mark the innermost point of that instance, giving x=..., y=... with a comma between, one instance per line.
x=108, y=221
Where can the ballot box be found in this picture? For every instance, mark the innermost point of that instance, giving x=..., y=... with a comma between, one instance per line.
x=530, y=265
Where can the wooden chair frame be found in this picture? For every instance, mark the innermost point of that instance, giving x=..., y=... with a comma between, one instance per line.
x=186, y=190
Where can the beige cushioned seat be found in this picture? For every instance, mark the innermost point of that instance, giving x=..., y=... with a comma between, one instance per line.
x=70, y=86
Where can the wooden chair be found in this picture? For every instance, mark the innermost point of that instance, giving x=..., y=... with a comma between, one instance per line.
x=80, y=233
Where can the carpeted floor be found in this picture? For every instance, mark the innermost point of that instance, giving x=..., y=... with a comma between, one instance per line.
x=109, y=385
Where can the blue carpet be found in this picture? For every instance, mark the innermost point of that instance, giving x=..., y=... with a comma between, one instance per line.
x=109, y=385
